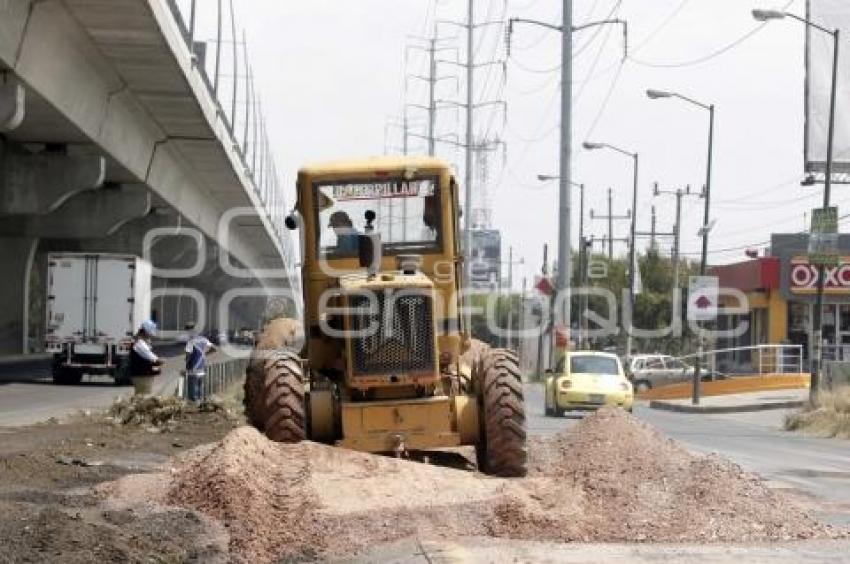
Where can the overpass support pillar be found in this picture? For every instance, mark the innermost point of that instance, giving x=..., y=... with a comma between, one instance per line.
x=213, y=299
x=16, y=257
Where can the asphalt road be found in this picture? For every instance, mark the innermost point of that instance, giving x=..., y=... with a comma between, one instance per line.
x=28, y=395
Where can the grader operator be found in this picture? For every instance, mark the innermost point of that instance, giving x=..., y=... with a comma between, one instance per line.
x=381, y=366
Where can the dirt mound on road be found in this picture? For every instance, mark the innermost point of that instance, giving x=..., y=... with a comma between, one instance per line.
x=612, y=478
x=638, y=485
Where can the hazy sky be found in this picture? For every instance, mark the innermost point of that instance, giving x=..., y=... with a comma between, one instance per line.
x=331, y=76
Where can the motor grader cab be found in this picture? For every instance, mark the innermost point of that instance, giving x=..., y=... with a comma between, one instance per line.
x=381, y=368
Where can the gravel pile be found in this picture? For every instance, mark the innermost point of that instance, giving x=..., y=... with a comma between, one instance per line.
x=612, y=478
x=635, y=484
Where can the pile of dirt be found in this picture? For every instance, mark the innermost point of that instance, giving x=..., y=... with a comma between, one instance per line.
x=610, y=479
x=637, y=485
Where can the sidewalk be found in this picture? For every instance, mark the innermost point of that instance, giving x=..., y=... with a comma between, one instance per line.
x=736, y=403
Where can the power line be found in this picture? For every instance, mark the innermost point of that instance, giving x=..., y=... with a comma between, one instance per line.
x=710, y=56
x=605, y=103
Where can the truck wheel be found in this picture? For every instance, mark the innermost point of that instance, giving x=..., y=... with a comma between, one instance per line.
x=642, y=386
x=501, y=450
x=278, y=408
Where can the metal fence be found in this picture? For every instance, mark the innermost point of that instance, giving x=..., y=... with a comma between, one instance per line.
x=219, y=377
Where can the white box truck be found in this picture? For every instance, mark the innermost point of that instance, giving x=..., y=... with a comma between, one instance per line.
x=95, y=303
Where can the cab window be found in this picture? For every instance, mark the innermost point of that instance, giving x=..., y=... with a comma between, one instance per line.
x=408, y=215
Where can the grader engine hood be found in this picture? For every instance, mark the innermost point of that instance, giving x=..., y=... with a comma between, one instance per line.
x=390, y=323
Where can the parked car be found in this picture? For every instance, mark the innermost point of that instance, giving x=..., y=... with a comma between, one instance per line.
x=647, y=371
x=587, y=381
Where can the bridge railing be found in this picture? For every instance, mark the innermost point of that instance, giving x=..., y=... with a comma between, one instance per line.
x=222, y=60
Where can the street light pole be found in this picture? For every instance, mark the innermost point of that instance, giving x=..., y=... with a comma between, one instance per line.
x=632, y=248
x=817, y=316
x=706, y=224
x=633, y=263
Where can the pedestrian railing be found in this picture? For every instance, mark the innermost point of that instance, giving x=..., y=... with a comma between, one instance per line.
x=218, y=378
x=758, y=359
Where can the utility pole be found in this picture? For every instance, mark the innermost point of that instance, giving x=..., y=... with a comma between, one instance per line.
x=582, y=255
x=565, y=193
x=470, y=113
x=432, y=80
x=524, y=343
x=510, y=294
x=652, y=244
x=677, y=228
x=470, y=145
x=543, y=322
x=432, y=98
x=610, y=226
x=610, y=217
x=586, y=250
x=566, y=30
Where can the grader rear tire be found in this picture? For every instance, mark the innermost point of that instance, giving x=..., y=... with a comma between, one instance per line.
x=275, y=398
x=502, y=449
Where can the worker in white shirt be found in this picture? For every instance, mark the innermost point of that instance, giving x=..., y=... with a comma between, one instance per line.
x=143, y=361
x=197, y=349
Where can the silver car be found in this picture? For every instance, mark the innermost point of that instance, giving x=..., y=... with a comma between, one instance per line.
x=647, y=371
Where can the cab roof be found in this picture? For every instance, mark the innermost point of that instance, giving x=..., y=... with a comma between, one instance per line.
x=371, y=164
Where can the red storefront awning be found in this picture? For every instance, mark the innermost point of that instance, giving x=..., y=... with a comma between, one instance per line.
x=759, y=274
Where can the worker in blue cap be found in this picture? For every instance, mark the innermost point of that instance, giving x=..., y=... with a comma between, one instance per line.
x=143, y=361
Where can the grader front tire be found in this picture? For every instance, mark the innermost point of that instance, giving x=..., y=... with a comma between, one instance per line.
x=502, y=447
x=275, y=399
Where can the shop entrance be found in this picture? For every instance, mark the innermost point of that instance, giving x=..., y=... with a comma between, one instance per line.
x=836, y=331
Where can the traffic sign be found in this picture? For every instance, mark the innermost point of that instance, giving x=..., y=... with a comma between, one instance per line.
x=703, y=295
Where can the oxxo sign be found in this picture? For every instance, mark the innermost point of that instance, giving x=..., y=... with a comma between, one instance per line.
x=804, y=277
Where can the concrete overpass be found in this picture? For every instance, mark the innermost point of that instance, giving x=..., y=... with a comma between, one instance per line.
x=110, y=133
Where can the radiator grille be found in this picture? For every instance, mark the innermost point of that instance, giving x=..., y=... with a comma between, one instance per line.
x=404, y=340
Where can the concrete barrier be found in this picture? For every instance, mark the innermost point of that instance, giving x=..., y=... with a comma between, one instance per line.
x=735, y=385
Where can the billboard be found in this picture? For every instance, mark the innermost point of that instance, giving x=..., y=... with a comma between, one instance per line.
x=486, y=258
x=831, y=14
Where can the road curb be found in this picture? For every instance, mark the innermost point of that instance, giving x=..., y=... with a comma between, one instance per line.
x=718, y=409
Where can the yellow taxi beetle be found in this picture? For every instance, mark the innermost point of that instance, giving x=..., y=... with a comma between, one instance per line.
x=587, y=380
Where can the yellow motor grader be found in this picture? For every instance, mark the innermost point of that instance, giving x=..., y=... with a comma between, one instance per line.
x=382, y=365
